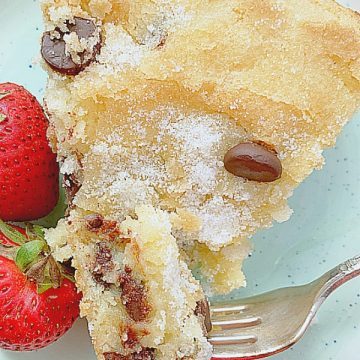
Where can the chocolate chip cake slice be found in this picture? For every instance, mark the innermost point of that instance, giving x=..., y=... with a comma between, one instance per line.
x=205, y=114
x=139, y=296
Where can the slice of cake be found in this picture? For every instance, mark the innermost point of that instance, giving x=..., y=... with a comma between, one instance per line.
x=140, y=299
x=185, y=124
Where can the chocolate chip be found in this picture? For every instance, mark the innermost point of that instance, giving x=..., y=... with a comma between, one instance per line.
x=94, y=221
x=106, y=229
x=53, y=52
x=134, y=296
x=110, y=228
x=113, y=356
x=202, y=310
x=130, y=338
x=253, y=161
x=144, y=354
x=84, y=28
x=103, y=263
x=53, y=49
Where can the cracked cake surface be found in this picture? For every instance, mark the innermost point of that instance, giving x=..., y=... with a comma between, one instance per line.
x=146, y=99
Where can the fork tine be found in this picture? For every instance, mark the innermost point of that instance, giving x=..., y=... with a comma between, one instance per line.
x=229, y=308
x=232, y=340
x=237, y=323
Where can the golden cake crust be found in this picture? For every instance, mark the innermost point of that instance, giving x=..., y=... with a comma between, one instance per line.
x=286, y=73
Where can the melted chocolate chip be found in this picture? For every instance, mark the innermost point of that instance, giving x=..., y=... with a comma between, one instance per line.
x=134, y=296
x=105, y=229
x=94, y=221
x=253, y=161
x=202, y=310
x=53, y=49
x=132, y=339
x=144, y=354
x=103, y=263
x=113, y=356
x=110, y=228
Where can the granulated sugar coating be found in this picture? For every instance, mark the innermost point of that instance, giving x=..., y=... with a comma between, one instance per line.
x=144, y=129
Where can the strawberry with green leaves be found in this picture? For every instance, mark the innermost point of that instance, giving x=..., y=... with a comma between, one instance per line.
x=29, y=173
x=38, y=298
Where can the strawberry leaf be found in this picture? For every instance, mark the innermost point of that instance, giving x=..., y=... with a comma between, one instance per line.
x=37, y=271
x=35, y=232
x=8, y=251
x=68, y=276
x=12, y=234
x=43, y=287
x=44, y=274
x=28, y=253
x=54, y=272
x=39, y=231
x=2, y=117
x=5, y=93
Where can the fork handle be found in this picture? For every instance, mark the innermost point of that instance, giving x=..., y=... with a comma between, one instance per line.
x=339, y=275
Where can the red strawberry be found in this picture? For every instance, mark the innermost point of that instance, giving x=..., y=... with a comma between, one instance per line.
x=28, y=169
x=38, y=301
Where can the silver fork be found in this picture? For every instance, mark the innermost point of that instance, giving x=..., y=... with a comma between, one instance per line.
x=269, y=323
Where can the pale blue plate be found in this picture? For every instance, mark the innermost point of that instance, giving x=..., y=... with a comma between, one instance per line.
x=324, y=230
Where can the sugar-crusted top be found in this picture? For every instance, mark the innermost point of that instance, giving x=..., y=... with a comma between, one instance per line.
x=134, y=171
x=177, y=83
